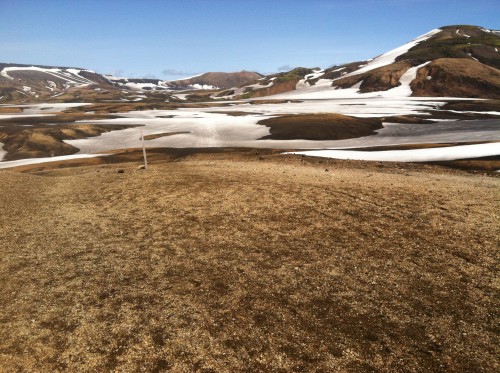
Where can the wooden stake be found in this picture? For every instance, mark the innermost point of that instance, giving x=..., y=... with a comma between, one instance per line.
x=144, y=151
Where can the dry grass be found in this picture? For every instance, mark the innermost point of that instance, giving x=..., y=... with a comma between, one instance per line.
x=231, y=263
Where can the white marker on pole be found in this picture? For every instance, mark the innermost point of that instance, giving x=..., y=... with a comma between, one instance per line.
x=144, y=151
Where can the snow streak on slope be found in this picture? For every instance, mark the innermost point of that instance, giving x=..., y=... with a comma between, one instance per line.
x=390, y=57
x=71, y=76
x=40, y=110
x=404, y=90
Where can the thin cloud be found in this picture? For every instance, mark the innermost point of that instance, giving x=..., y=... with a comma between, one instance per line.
x=175, y=72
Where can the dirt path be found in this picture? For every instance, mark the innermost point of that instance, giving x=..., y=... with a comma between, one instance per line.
x=219, y=263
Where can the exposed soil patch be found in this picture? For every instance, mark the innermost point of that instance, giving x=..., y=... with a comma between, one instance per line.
x=10, y=110
x=319, y=127
x=227, y=263
x=407, y=119
x=235, y=113
x=485, y=163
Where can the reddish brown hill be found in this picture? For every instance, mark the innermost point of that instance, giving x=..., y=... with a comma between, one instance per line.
x=219, y=79
x=457, y=77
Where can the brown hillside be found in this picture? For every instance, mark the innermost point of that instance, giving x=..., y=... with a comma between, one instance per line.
x=380, y=79
x=275, y=89
x=221, y=80
x=457, y=77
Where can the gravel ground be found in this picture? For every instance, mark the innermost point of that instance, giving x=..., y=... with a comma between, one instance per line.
x=229, y=263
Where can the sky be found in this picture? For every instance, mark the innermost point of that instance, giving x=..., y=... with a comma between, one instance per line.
x=171, y=39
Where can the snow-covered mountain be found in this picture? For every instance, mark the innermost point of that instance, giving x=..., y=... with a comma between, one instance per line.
x=454, y=61
x=26, y=83
x=458, y=61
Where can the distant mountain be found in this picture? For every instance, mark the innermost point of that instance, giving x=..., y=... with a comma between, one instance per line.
x=35, y=82
x=217, y=80
x=26, y=83
x=455, y=61
x=458, y=61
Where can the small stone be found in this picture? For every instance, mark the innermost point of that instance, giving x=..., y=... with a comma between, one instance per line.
x=121, y=171
x=141, y=167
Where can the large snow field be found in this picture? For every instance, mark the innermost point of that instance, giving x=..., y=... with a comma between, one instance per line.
x=201, y=127
x=220, y=130
x=205, y=130
x=356, y=106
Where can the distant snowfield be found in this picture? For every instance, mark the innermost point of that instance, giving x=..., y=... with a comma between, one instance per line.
x=413, y=155
x=220, y=130
x=208, y=129
x=39, y=110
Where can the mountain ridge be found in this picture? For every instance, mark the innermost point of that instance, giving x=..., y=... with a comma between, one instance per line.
x=455, y=61
x=382, y=73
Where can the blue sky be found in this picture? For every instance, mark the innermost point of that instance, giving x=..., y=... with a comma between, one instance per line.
x=169, y=39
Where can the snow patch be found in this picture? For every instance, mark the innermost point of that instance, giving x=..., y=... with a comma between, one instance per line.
x=39, y=110
x=414, y=155
x=24, y=162
x=202, y=86
x=5, y=75
x=2, y=152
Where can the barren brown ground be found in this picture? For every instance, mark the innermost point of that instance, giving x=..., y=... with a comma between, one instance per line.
x=263, y=263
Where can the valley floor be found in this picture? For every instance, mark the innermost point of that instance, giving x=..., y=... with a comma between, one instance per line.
x=249, y=262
